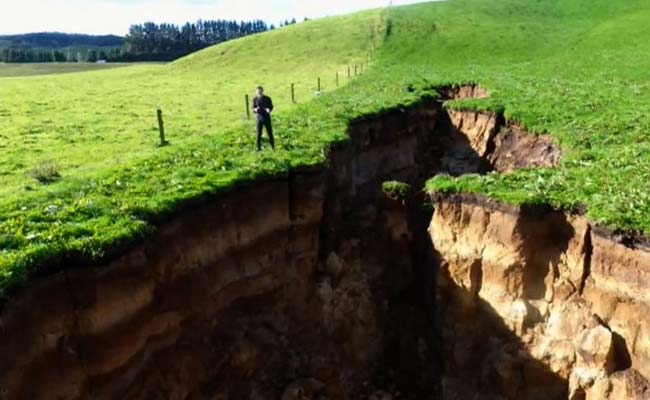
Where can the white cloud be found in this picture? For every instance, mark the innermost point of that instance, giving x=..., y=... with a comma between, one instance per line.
x=115, y=16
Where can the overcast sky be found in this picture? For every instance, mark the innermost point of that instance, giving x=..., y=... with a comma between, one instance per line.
x=115, y=16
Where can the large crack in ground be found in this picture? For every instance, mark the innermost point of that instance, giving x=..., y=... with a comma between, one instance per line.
x=463, y=142
x=339, y=300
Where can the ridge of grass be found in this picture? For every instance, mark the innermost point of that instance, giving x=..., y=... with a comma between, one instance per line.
x=573, y=68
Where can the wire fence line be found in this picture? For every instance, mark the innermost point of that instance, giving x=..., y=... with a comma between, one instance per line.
x=353, y=71
x=165, y=121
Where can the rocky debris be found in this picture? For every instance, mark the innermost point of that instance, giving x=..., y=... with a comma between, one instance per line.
x=349, y=312
x=595, y=359
x=595, y=349
x=522, y=322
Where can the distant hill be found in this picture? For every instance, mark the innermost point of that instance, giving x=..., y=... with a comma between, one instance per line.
x=57, y=40
x=144, y=42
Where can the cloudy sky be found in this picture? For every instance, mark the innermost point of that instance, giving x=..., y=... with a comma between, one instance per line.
x=115, y=16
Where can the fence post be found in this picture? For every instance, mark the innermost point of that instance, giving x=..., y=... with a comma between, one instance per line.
x=337, y=78
x=349, y=72
x=293, y=93
x=248, y=108
x=355, y=69
x=161, y=129
x=319, y=83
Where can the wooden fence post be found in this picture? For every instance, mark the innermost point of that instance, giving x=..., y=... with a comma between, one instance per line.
x=355, y=69
x=337, y=78
x=293, y=93
x=248, y=108
x=161, y=129
x=349, y=75
x=319, y=84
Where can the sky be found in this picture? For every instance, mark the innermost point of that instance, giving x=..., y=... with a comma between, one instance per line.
x=115, y=16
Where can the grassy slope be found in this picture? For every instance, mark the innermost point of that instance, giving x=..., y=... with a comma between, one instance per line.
x=575, y=68
x=100, y=128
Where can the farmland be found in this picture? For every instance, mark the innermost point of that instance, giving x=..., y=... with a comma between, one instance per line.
x=31, y=69
x=98, y=132
x=561, y=67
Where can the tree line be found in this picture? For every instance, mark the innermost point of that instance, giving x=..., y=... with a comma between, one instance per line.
x=144, y=42
x=27, y=54
x=58, y=40
x=165, y=42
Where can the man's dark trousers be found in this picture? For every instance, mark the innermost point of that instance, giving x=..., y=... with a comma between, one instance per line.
x=264, y=121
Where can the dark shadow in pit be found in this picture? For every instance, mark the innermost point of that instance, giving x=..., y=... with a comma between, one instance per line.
x=449, y=151
x=398, y=273
x=622, y=357
x=484, y=359
x=457, y=157
x=411, y=147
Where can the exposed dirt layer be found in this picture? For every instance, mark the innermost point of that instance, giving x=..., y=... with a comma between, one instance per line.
x=461, y=92
x=515, y=149
x=535, y=305
x=502, y=147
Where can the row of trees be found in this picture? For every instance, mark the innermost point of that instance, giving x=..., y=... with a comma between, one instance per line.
x=58, y=40
x=145, y=42
x=27, y=54
x=165, y=42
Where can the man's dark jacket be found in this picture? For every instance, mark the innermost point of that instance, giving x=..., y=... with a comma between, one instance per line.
x=261, y=104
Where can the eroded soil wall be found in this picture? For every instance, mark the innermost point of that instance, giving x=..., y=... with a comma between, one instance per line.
x=537, y=304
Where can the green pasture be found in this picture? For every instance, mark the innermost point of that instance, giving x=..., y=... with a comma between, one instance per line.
x=31, y=69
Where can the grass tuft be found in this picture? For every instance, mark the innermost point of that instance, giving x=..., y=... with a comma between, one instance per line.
x=45, y=172
x=396, y=190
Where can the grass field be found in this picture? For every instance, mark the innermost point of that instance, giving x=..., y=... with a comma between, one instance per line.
x=31, y=69
x=98, y=131
x=574, y=68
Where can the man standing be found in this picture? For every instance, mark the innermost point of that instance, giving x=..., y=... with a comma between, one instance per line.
x=263, y=107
